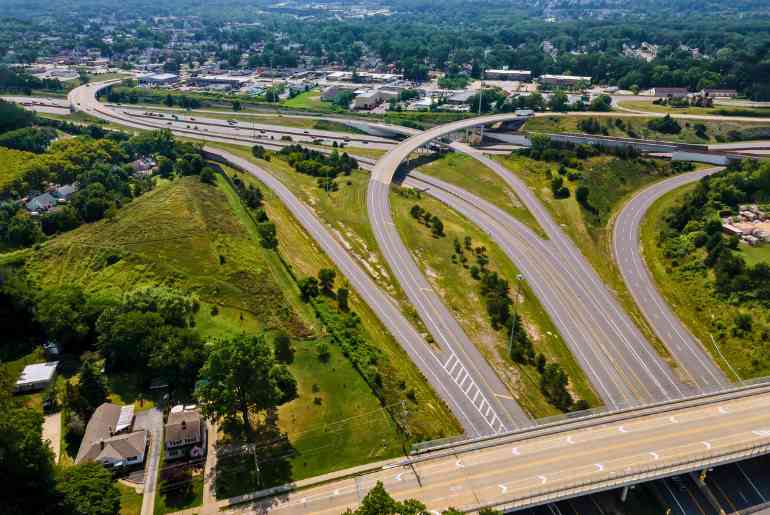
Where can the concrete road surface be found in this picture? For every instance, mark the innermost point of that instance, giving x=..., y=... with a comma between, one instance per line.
x=152, y=421
x=52, y=433
x=681, y=343
x=519, y=472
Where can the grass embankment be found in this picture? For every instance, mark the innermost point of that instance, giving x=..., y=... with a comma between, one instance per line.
x=309, y=101
x=474, y=177
x=636, y=127
x=705, y=313
x=428, y=416
x=130, y=501
x=460, y=292
x=717, y=110
x=611, y=182
x=12, y=165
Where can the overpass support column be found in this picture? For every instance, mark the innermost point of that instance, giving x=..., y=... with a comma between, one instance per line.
x=624, y=493
x=700, y=480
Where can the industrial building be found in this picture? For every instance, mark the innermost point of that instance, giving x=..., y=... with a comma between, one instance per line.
x=519, y=75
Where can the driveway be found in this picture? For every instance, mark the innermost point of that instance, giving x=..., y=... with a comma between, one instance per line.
x=152, y=421
x=52, y=433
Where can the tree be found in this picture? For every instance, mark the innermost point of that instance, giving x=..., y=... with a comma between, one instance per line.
x=91, y=390
x=61, y=312
x=169, y=100
x=207, y=176
x=326, y=278
x=26, y=460
x=268, y=236
x=581, y=195
x=553, y=384
x=241, y=376
x=559, y=102
x=308, y=288
x=88, y=489
x=437, y=227
x=284, y=352
x=342, y=299
x=602, y=103
x=236, y=105
x=165, y=167
x=379, y=502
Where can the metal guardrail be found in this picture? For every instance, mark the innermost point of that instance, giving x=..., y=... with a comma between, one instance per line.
x=631, y=475
x=577, y=416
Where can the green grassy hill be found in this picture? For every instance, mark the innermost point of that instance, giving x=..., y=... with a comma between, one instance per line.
x=183, y=235
x=12, y=165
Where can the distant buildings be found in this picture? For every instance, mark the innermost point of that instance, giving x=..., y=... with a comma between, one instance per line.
x=519, y=75
x=110, y=438
x=158, y=79
x=564, y=80
x=719, y=93
x=665, y=92
x=229, y=81
x=751, y=225
x=36, y=377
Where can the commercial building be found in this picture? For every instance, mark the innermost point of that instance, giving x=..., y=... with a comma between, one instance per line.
x=158, y=79
x=670, y=92
x=564, y=80
x=461, y=98
x=233, y=82
x=36, y=377
x=110, y=438
x=367, y=99
x=519, y=75
x=719, y=93
x=185, y=435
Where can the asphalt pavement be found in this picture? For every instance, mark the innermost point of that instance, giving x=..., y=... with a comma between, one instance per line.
x=688, y=352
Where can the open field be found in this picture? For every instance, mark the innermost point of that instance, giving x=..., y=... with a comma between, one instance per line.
x=460, y=292
x=696, y=304
x=754, y=255
x=718, y=110
x=474, y=177
x=310, y=101
x=610, y=183
x=636, y=127
x=130, y=501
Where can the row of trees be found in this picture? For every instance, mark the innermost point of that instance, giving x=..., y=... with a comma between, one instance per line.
x=429, y=220
x=317, y=164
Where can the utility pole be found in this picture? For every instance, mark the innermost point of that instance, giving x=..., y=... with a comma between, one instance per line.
x=481, y=94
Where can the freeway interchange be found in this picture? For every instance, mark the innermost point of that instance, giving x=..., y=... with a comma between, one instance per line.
x=621, y=365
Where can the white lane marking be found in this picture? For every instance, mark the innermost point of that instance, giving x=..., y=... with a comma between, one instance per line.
x=622, y=429
x=707, y=445
x=398, y=476
x=543, y=479
x=503, y=488
x=303, y=500
x=459, y=464
x=515, y=451
x=654, y=455
x=723, y=410
x=673, y=419
x=336, y=492
x=570, y=440
x=599, y=467
x=762, y=432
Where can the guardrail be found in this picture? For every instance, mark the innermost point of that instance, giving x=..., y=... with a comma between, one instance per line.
x=555, y=421
x=629, y=476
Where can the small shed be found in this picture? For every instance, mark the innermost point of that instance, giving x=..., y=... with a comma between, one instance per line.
x=36, y=377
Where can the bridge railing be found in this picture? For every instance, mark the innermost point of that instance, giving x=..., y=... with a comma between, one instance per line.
x=595, y=481
x=555, y=420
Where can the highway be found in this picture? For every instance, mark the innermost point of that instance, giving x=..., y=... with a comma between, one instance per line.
x=626, y=248
x=537, y=468
x=627, y=370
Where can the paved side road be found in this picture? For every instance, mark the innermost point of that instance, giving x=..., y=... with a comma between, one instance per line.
x=682, y=344
x=152, y=421
x=52, y=433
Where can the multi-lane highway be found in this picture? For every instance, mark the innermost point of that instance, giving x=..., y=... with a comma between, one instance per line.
x=684, y=347
x=540, y=467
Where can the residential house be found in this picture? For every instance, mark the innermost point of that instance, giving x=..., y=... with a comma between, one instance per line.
x=36, y=377
x=41, y=203
x=63, y=193
x=185, y=435
x=110, y=438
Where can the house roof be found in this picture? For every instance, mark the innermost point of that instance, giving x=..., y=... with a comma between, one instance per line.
x=183, y=425
x=42, y=202
x=101, y=440
x=37, y=372
x=64, y=191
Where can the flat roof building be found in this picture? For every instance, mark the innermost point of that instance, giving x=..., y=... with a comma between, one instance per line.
x=563, y=80
x=519, y=75
x=158, y=79
x=36, y=377
x=665, y=92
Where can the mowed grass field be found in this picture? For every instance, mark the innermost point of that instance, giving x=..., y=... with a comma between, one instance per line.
x=611, y=183
x=310, y=101
x=696, y=304
x=460, y=292
x=636, y=126
x=717, y=110
x=469, y=174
